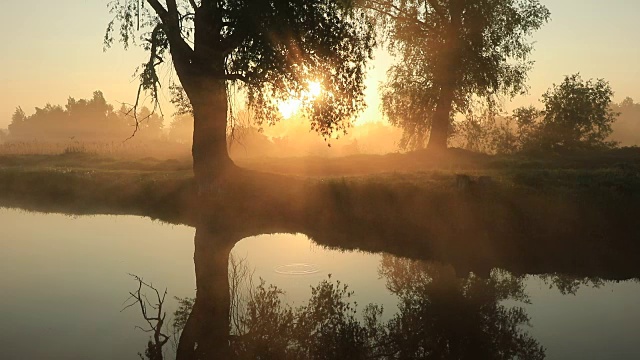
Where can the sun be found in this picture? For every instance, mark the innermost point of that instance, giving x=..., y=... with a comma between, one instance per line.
x=315, y=89
x=292, y=106
x=289, y=107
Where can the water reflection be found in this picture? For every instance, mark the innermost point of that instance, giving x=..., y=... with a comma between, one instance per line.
x=441, y=315
x=63, y=281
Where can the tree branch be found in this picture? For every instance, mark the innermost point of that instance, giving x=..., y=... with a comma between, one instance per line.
x=160, y=10
x=172, y=9
x=399, y=14
x=233, y=77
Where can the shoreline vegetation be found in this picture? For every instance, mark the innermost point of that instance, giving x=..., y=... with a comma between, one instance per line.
x=574, y=214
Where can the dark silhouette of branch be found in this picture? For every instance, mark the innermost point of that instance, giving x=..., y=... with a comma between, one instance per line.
x=153, y=314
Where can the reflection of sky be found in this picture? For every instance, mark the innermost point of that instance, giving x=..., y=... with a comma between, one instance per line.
x=267, y=253
x=601, y=323
x=52, y=50
x=63, y=281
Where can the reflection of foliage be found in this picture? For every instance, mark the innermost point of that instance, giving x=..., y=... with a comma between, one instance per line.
x=570, y=284
x=268, y=326
x=327, y=327
x=443, y=316
x=181, y=315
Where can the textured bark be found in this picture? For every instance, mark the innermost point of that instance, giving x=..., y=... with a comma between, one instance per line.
x=202, y=75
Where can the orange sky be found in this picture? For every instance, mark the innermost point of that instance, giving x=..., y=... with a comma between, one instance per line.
x=53, y=50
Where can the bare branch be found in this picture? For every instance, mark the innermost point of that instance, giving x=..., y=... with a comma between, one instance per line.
x=156, y=320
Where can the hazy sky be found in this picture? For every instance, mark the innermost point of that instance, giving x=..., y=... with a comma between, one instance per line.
x=53, y=49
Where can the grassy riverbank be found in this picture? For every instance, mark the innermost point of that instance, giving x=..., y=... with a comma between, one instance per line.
x=575, y=214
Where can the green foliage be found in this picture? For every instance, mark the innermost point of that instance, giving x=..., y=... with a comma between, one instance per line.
x=577, y=114
x=472, y=48
x=272, y=48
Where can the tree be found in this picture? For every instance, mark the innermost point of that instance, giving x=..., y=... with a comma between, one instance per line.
x=577, y=114
x=450, y=52
x=451, y=317
x=272, y=48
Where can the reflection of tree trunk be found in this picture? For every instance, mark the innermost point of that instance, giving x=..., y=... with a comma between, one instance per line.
x=206, y=334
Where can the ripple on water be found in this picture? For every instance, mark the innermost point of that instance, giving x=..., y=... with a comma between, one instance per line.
x=297, y=269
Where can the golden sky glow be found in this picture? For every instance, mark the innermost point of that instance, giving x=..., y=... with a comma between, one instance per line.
x=53, y=50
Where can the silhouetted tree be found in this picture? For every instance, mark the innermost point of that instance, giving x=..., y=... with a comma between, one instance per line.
x=443, y=316
x=577, y=114
x=271, y=47
x=451, y=51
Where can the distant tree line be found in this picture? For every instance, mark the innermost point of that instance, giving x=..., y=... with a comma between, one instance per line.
x=626, y=130
x=83, y=120
x=95, y=120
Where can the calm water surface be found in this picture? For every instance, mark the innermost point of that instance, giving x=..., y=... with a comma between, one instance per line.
x=64, y=281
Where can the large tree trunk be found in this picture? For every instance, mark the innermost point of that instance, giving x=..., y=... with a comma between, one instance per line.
x=211, y=161
x=447, y=77
x=202, y=74
x=441, y=120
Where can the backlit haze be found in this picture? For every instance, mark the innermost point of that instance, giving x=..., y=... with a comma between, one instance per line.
x=54, y=50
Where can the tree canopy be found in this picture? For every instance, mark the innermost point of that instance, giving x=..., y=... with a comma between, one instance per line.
x=450, y=52
x=273, y=48
x=577, y=114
